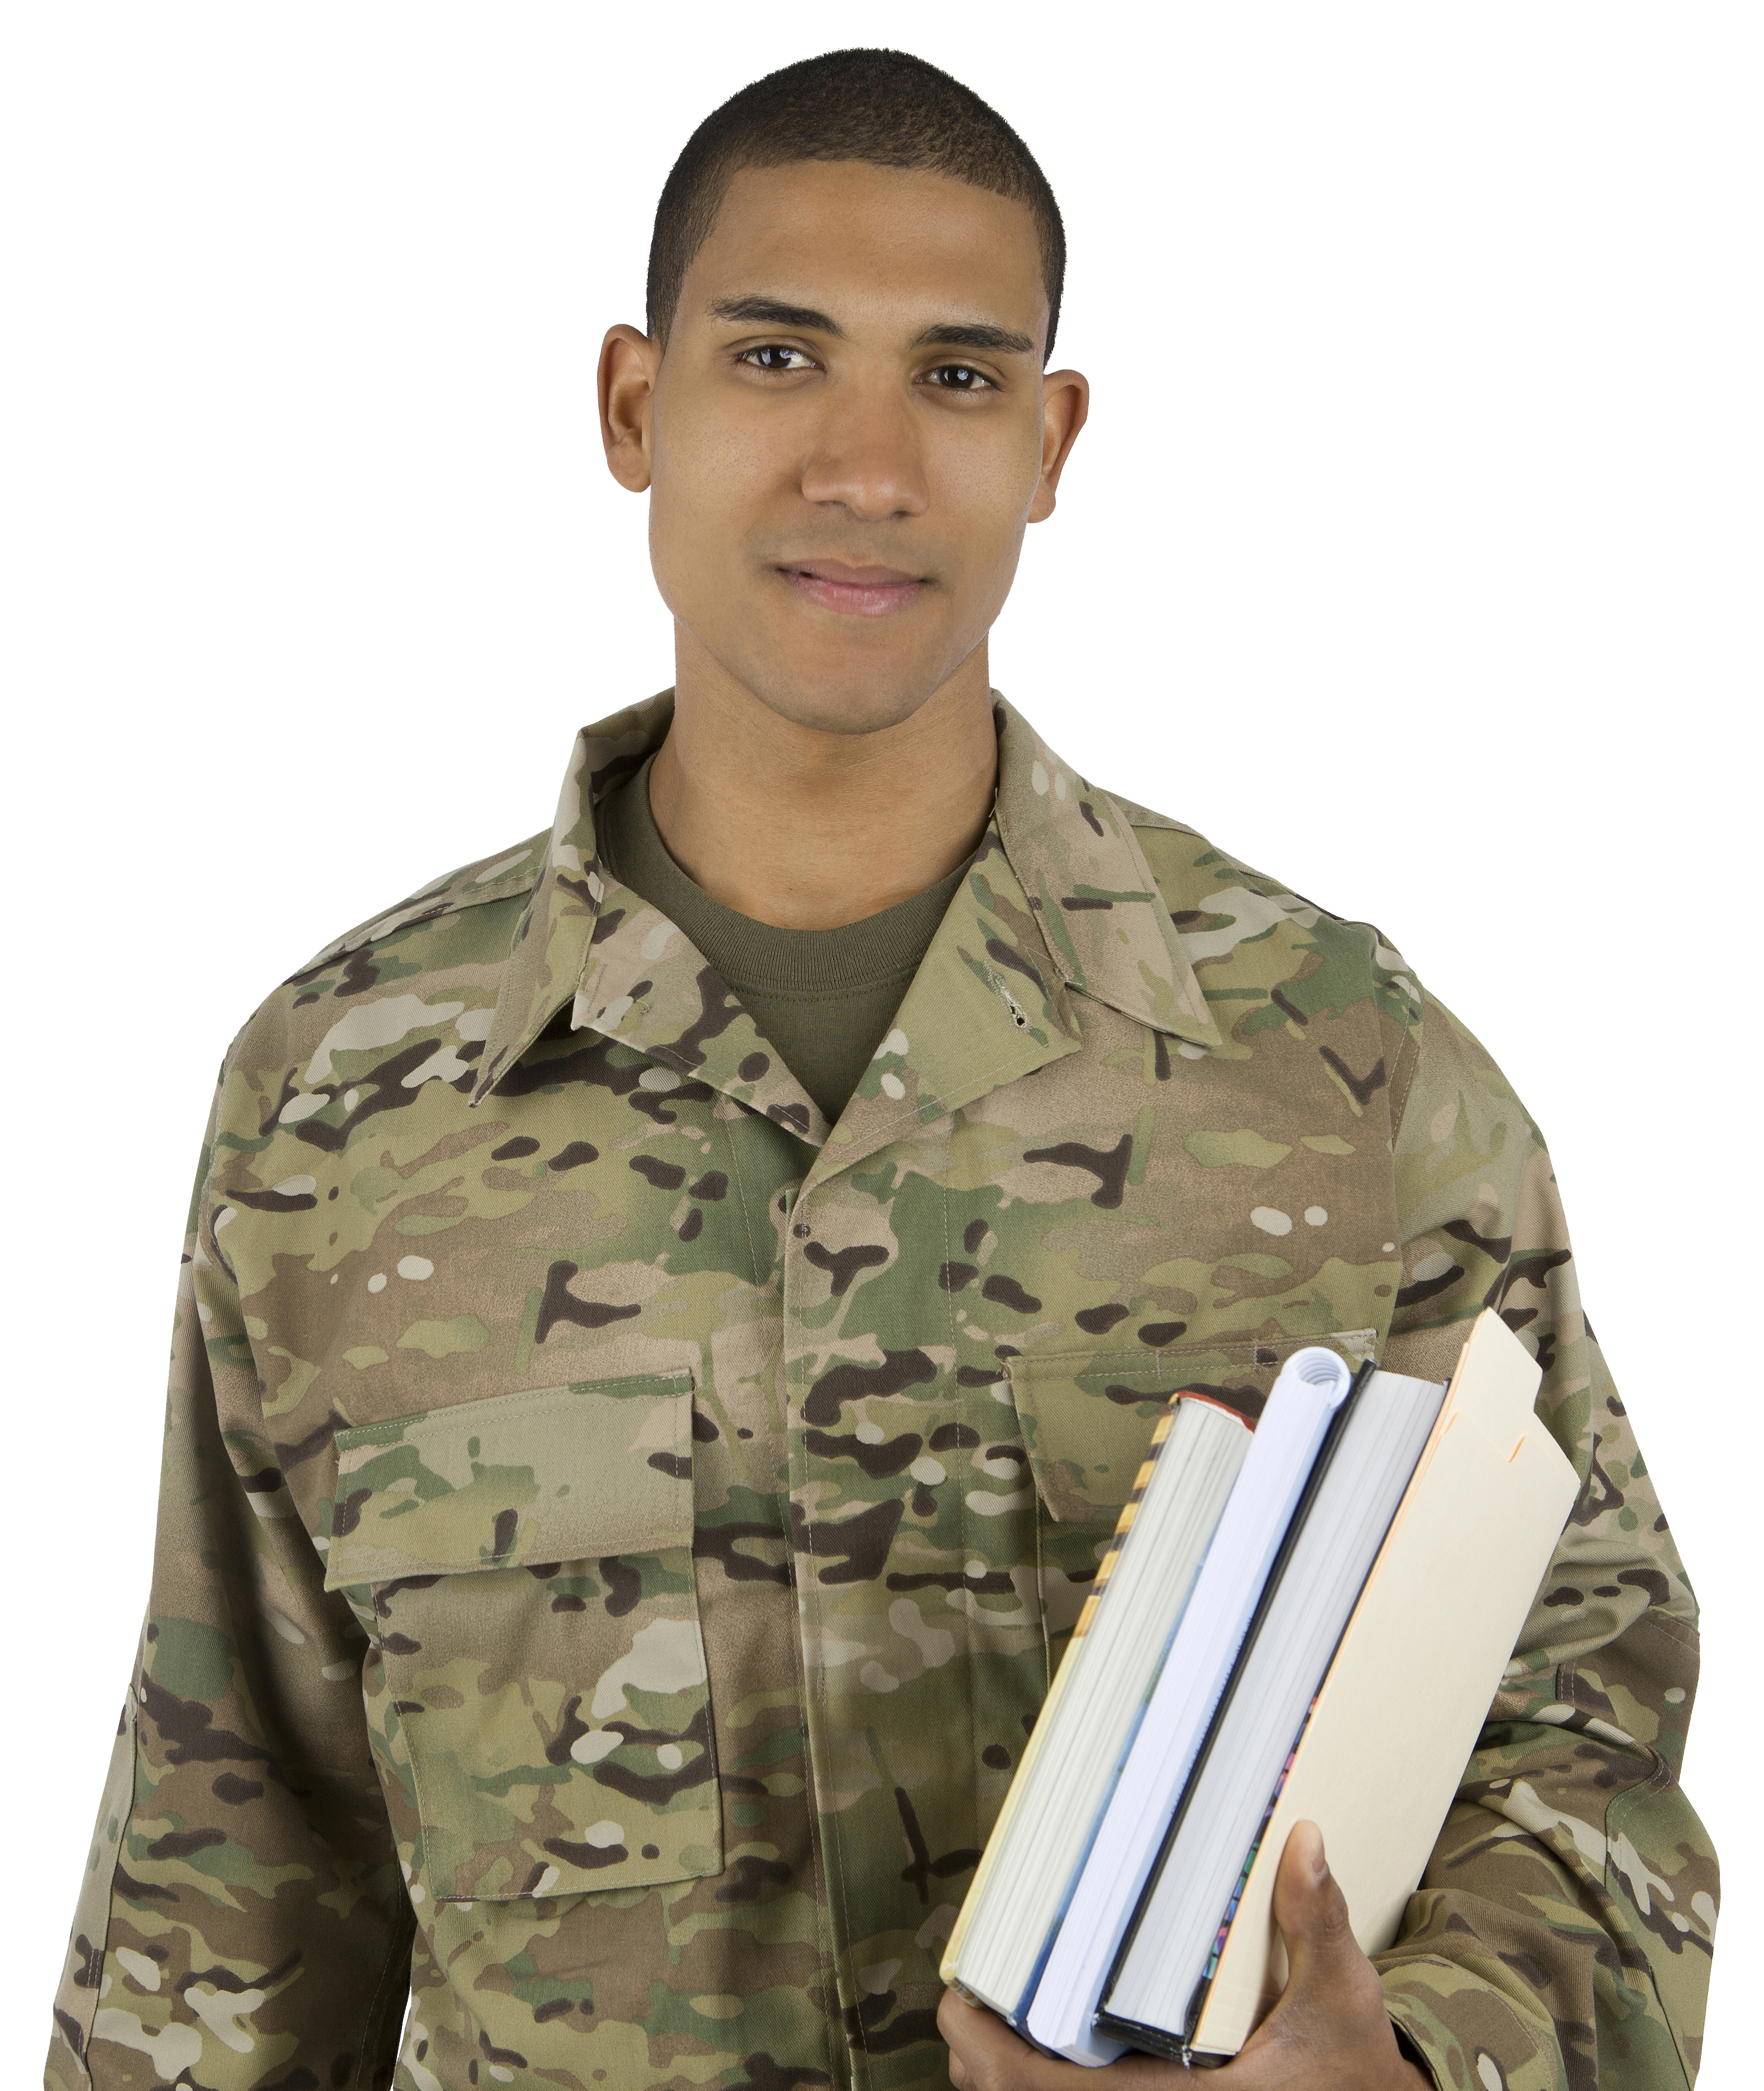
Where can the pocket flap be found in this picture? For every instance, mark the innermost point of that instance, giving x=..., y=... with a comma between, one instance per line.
x=559, y=1473
x=1087, y=1419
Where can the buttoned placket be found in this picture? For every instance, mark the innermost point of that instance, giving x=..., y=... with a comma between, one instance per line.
x=990, y=1004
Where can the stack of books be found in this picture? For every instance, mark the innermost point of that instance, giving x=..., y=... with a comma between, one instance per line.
x=1304, y=1621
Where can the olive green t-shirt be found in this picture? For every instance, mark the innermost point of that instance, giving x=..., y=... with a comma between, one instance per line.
x=823, y=998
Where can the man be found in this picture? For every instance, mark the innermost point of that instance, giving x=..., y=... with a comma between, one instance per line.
x=673, y=1310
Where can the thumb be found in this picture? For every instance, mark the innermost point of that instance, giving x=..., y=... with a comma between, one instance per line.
x=1311, y=1910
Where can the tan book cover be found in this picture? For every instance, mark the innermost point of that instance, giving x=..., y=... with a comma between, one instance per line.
x=1423, y=1655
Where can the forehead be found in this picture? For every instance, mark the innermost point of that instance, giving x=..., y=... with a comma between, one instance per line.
x=827, y=233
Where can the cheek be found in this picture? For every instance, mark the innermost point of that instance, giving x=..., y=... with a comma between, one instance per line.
x=690, y=497
x=988, y=484
x=713, y=472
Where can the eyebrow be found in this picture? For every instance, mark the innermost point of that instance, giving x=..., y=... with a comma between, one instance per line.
x=805, y=319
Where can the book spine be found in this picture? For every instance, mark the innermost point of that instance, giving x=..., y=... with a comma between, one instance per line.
x=1123, y=1524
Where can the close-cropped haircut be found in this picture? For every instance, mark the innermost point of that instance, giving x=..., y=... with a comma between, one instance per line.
x=887, y=109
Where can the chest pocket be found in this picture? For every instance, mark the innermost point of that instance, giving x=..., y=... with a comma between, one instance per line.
x=525, y=1564
x=1087, y=1420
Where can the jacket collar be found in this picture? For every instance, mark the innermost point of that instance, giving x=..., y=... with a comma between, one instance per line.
x=1060, y=900
x=1109, y=934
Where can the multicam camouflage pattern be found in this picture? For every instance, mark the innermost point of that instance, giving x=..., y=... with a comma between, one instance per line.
x=617, y=1528
x=563, y=1745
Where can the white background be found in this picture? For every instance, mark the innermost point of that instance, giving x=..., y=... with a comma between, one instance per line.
x=1428, y=287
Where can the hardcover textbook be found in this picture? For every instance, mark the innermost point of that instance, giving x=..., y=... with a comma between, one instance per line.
x=1308, y=1626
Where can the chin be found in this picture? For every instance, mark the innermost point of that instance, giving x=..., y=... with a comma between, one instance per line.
x=869, y=715
x=843, y=699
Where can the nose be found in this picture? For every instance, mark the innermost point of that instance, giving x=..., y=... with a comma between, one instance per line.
x=866, y=457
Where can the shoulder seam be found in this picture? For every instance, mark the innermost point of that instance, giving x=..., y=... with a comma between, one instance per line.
x=1137, y=816
x=1143, y=821
x=418, y=907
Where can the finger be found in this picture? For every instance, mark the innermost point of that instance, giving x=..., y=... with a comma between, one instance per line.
x=1332, y=1995
x=985, y=2053
x=960, y=2022
x=1311, y=1910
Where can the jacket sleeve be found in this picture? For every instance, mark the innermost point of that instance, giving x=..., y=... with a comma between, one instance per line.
x=242, y=1918
x=1561, y=1935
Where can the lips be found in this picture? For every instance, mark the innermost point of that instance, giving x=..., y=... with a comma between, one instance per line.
x=854, y=591
x=844, y=575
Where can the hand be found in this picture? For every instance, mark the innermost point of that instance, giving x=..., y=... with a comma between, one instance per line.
x=1329, y=2031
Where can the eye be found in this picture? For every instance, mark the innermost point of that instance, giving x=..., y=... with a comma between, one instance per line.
x=775, y=355
x=959, y=377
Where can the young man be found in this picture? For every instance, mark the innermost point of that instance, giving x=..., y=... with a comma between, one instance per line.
x=673, y=1310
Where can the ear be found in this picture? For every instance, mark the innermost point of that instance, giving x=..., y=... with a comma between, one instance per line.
x=1066, y=407
x=629, y=362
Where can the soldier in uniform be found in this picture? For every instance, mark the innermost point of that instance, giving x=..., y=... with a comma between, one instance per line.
x=672, y=1310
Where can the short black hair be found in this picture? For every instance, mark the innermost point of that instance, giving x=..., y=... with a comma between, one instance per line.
x=885, y=108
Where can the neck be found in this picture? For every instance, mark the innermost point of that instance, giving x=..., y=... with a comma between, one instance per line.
x=806, y=829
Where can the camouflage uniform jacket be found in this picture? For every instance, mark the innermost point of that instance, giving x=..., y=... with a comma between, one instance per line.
x=617, y=1528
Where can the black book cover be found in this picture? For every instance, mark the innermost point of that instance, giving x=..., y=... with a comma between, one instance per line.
x=1154, y=2040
